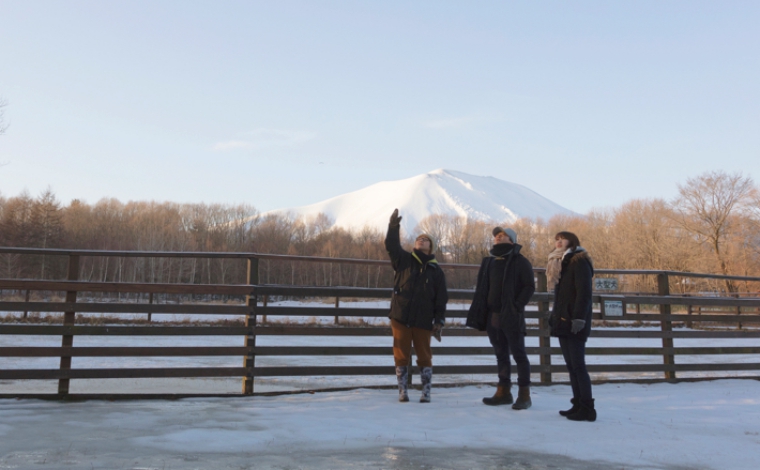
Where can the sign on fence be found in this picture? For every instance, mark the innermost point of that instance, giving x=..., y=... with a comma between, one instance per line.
x=613, y=308
x=605, y=283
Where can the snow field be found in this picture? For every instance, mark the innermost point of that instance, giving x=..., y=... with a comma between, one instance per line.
x=707, y=425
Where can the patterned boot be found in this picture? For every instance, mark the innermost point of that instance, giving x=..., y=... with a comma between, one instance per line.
x=402, y=375
x=426, y=377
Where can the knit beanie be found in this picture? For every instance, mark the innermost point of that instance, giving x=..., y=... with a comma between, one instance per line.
x=507, y=231
x=432, y=241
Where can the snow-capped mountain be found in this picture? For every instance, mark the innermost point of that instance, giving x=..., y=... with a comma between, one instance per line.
x=438, y=192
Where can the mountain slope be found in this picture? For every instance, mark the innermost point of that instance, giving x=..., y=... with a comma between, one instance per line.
x=438, y=192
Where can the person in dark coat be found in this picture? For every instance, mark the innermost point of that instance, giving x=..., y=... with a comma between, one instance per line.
x=505, y=285
x=418, y=305
x=570, y=319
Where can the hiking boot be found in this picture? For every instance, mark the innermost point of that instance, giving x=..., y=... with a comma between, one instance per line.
x=576, y=406
x=503, y=396
x=426, y=377
x=523, y=399
x=586, y=412
x=402, y=375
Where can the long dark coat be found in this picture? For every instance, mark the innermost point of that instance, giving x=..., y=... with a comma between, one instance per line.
x=572, y=295
x=517, y=288
x=419, y=288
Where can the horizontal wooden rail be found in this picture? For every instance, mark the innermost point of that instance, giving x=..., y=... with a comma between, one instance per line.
x=160, y=351
x=196, y=372
x=317, y=259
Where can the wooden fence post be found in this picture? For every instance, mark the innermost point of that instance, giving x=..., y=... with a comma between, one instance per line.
x=249, y=361
x=150, y=301
x=26, y=299
x=544, y=339
x=663, y=289
x=69, y=318
x=337, y=305
x=265, y=301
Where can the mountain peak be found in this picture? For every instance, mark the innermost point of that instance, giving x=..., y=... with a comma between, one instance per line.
x=440, y=191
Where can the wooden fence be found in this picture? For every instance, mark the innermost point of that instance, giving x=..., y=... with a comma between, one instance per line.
x=734, y=318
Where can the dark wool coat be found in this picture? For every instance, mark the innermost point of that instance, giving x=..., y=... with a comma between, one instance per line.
x=419, y=288
x=572, y=295
x=517, y=288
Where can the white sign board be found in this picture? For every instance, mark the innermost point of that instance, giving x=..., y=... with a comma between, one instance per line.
x=605, y=283
x=613, y=308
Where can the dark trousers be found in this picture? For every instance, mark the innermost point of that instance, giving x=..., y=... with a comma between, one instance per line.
x=504, y=341
x=574, y=351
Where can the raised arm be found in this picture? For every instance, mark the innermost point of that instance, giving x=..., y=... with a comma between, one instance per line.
x=393, y=240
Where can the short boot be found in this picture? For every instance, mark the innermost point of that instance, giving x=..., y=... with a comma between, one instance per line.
x=574, y=409
x=586, y=412
x=426, y=377
x=503, y=396
x=523, y=399
x=402, y=375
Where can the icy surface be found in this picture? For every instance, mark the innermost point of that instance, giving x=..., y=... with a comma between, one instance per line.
x=704, y=425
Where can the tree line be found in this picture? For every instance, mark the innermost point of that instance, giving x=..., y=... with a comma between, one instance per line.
x=713, y=226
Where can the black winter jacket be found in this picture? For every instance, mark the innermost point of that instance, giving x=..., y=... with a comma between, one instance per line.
x=517, y=288
x=572, y=295
x=419, y=288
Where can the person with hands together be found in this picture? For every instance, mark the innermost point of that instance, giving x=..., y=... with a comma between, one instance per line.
x=504, y=286
x=418, y=305
x=569, y=272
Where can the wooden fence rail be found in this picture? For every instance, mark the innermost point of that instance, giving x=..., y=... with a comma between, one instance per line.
x=668, y=318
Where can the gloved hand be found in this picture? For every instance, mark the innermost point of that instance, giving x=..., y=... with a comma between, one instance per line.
x=577, y=326
x=437, y=328
x=395, y=218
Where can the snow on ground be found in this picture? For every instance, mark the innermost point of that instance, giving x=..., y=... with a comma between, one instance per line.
x=703, y=425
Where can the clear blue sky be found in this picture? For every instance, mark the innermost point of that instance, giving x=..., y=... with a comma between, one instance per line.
x=285, y=103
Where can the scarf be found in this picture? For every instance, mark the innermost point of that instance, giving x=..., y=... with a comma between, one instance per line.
x=502, y=249
x=424, y=258
x=554, y=268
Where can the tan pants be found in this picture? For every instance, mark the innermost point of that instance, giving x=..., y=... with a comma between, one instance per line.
x=404, y=337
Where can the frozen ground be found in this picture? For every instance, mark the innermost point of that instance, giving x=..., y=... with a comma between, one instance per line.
x=703, y=425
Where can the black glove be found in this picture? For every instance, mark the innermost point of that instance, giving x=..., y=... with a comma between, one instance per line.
x=577, y=326
x=437, y=328
x=395, y=218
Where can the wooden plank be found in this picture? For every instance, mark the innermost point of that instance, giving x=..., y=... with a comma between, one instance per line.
x=687, y=300
x=31, y=351
x=625, y=368
x=67, y=374
x=275, y=330
x=69, y=317
x=249, y=357
x=124, y=287
x=678, y=317
x=80, y=307
x=544, y=340
x=122, y=330
x=599, y=333
x=214, y=309
x=122, y=351
x=52, y=374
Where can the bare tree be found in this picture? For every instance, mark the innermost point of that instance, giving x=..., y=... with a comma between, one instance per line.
x=709, y=204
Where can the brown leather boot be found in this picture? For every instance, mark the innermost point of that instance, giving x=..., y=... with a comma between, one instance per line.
x=503, y=396
x=523, y=399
